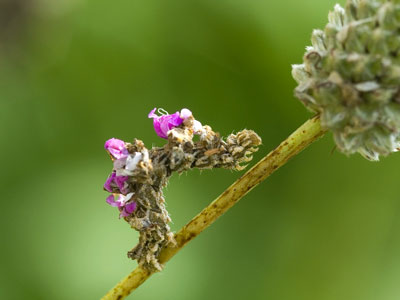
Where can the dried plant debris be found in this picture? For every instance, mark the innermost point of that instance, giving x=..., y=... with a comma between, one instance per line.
x=139, y=174
x=351, y=77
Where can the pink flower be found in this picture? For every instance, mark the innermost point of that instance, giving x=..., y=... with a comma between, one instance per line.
x=115, y=203
x=116, y=148
x=116, y=181
x=125, y=208
x=165, y=122
x=128, y=209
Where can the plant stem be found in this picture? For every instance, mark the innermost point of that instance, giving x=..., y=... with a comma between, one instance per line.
x=306, y=134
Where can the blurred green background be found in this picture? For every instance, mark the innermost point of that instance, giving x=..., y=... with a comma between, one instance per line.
x=75, y=73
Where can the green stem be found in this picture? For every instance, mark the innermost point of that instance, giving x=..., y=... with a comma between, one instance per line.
x=306, y=134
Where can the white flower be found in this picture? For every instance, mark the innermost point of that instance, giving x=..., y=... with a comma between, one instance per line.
x=197, y=127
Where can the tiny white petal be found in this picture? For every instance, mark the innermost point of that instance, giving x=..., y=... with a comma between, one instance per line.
x=197, y=127
x=123, y=199
x=132, y=161
x=146, y=156
x=185, y=113
x=128, y=196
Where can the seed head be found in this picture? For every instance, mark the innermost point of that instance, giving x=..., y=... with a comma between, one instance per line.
x=351, y=77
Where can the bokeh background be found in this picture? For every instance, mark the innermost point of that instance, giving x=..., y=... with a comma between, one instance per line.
x=75, y=73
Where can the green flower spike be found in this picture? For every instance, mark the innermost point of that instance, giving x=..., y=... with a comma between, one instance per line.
x=351, y=77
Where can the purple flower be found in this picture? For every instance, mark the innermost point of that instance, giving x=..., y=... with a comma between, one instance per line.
x=128, y=209
x=125, y=208
x=110, y=179
x=116, y=148
x=164, y=123
x=111, y=200
x=118, y=181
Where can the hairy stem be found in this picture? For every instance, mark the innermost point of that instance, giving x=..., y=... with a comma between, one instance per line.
x=295, y=143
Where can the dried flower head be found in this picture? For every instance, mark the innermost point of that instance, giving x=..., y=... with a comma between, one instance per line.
x=351, y=77
x=139, y=174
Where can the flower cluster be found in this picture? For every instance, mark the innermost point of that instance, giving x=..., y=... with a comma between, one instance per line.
x=139, y=175
x=164, y=123
x=118, y=182
x=122, y=203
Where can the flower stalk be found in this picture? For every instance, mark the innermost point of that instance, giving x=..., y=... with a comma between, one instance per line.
x=140, y=174
x=306, y=134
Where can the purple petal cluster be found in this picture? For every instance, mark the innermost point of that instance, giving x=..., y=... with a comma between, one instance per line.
x=125, y=163
x=118, y=151
x=116, y=148
x=126, y=208
x=116, y=181
x=164, y=123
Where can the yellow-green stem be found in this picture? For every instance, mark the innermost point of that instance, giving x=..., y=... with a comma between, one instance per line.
x=296, y=142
